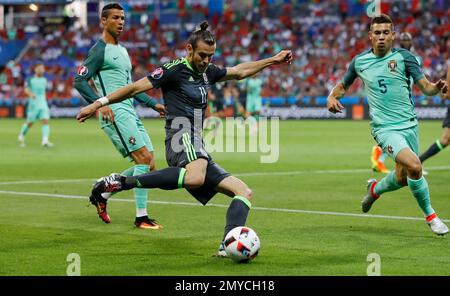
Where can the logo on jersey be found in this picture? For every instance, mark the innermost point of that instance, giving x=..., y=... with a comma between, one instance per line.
x=392, y=64
x=132, y=140
x=82, y=70
x=205, y=78
x=157, y=74
x=390, y=149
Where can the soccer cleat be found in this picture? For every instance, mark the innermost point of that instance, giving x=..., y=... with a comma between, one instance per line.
x=221, y=252
x=111, y=183
x=381, y=168
x=438, y=227
x=48, y=144
x=100, y=203
x=147, y=223
x=374, y=156
x=21, y=140
x=424, y=172
x=370, y=197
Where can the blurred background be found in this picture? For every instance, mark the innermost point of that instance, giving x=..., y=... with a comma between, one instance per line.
x=324, y=36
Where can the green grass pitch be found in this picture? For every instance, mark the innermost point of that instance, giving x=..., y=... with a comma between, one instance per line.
x=306, y=208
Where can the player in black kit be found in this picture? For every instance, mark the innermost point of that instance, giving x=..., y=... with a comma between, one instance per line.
x=185, y=83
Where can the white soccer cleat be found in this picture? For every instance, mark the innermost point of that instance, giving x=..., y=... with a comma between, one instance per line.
x=21, y=140
x=48, y=144
x=424, y=172
x=438, y=227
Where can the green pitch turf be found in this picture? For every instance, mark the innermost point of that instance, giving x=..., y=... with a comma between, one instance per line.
x=306, y=208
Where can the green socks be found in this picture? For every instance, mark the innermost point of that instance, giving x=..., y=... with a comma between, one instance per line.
x=24, y=130
x=419, y=189
x=387, y=184
x=140, y=194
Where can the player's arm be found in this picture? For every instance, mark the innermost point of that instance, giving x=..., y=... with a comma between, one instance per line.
x=150, y=102
x=248, y=69
x=28, y=91
x=128, y=91
x=333, y=104
x=430, y=89
x=90, y=67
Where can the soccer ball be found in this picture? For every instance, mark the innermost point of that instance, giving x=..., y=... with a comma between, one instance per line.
x=242, y=244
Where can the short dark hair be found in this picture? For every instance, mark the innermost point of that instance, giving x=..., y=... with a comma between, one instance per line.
x=109, y=6
x=201, y=34
x=382, y=19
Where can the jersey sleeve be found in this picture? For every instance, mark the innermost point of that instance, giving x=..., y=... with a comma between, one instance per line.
x=89, y=68
x=146, y=100
x=162, y=76
x=412, y=66
x=215, y=73
x=350, y=75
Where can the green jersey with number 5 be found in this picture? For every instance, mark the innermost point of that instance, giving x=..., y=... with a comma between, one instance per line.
x=387, y=82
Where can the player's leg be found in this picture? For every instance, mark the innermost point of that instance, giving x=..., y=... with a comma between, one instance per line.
x=419, y=188
x=437, y=146
x=239, y=208
x=393, y=143
x=44, y=115
x=144, y=160
x=441, y=143
x=23, y=131
x=31, y=118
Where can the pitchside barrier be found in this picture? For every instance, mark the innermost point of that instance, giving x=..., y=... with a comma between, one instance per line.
x=355, y=112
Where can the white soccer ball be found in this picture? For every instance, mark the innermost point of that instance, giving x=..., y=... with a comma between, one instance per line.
x=242, y=244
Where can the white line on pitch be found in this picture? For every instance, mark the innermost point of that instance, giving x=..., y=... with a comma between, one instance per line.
x=250, y=174
x=222, y=206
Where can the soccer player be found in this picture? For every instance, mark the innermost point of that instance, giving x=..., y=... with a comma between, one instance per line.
x=185, y=83
x=253, y=103
x=109, y=65
x=37, y=108
x=444, y=141
x=378, y=156
x=386, y=73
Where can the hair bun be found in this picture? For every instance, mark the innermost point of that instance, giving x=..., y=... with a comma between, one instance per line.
x=204, y=25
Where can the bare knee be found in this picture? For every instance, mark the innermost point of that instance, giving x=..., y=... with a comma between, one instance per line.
x=415, y=168
x=445, y=141
x=246, y=193
x=143, y=157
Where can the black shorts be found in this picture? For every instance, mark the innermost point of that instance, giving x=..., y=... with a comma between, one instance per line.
x=446, y=122
x=182, y=152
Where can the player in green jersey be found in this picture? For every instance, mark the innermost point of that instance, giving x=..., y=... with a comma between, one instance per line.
x=378, y=156
x=253, y=103
x=386, y=73
x=37, y=108
x=109, y=65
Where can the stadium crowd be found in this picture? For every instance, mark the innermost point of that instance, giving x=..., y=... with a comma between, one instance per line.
x=324, y=36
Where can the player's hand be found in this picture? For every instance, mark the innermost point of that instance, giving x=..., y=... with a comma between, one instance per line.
x=160, y=109
x=87, y=112
x=442, y=86
x=107, y=114
x=284, y=56
x=334, y=106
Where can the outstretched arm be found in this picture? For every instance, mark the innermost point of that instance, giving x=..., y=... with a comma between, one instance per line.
x=248, y=69
x=430, y=89
x=119, y=95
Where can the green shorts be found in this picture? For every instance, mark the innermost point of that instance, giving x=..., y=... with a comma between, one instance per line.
x=394, y=141
x=253, y=105
x=128, y=134
x=34, y=113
